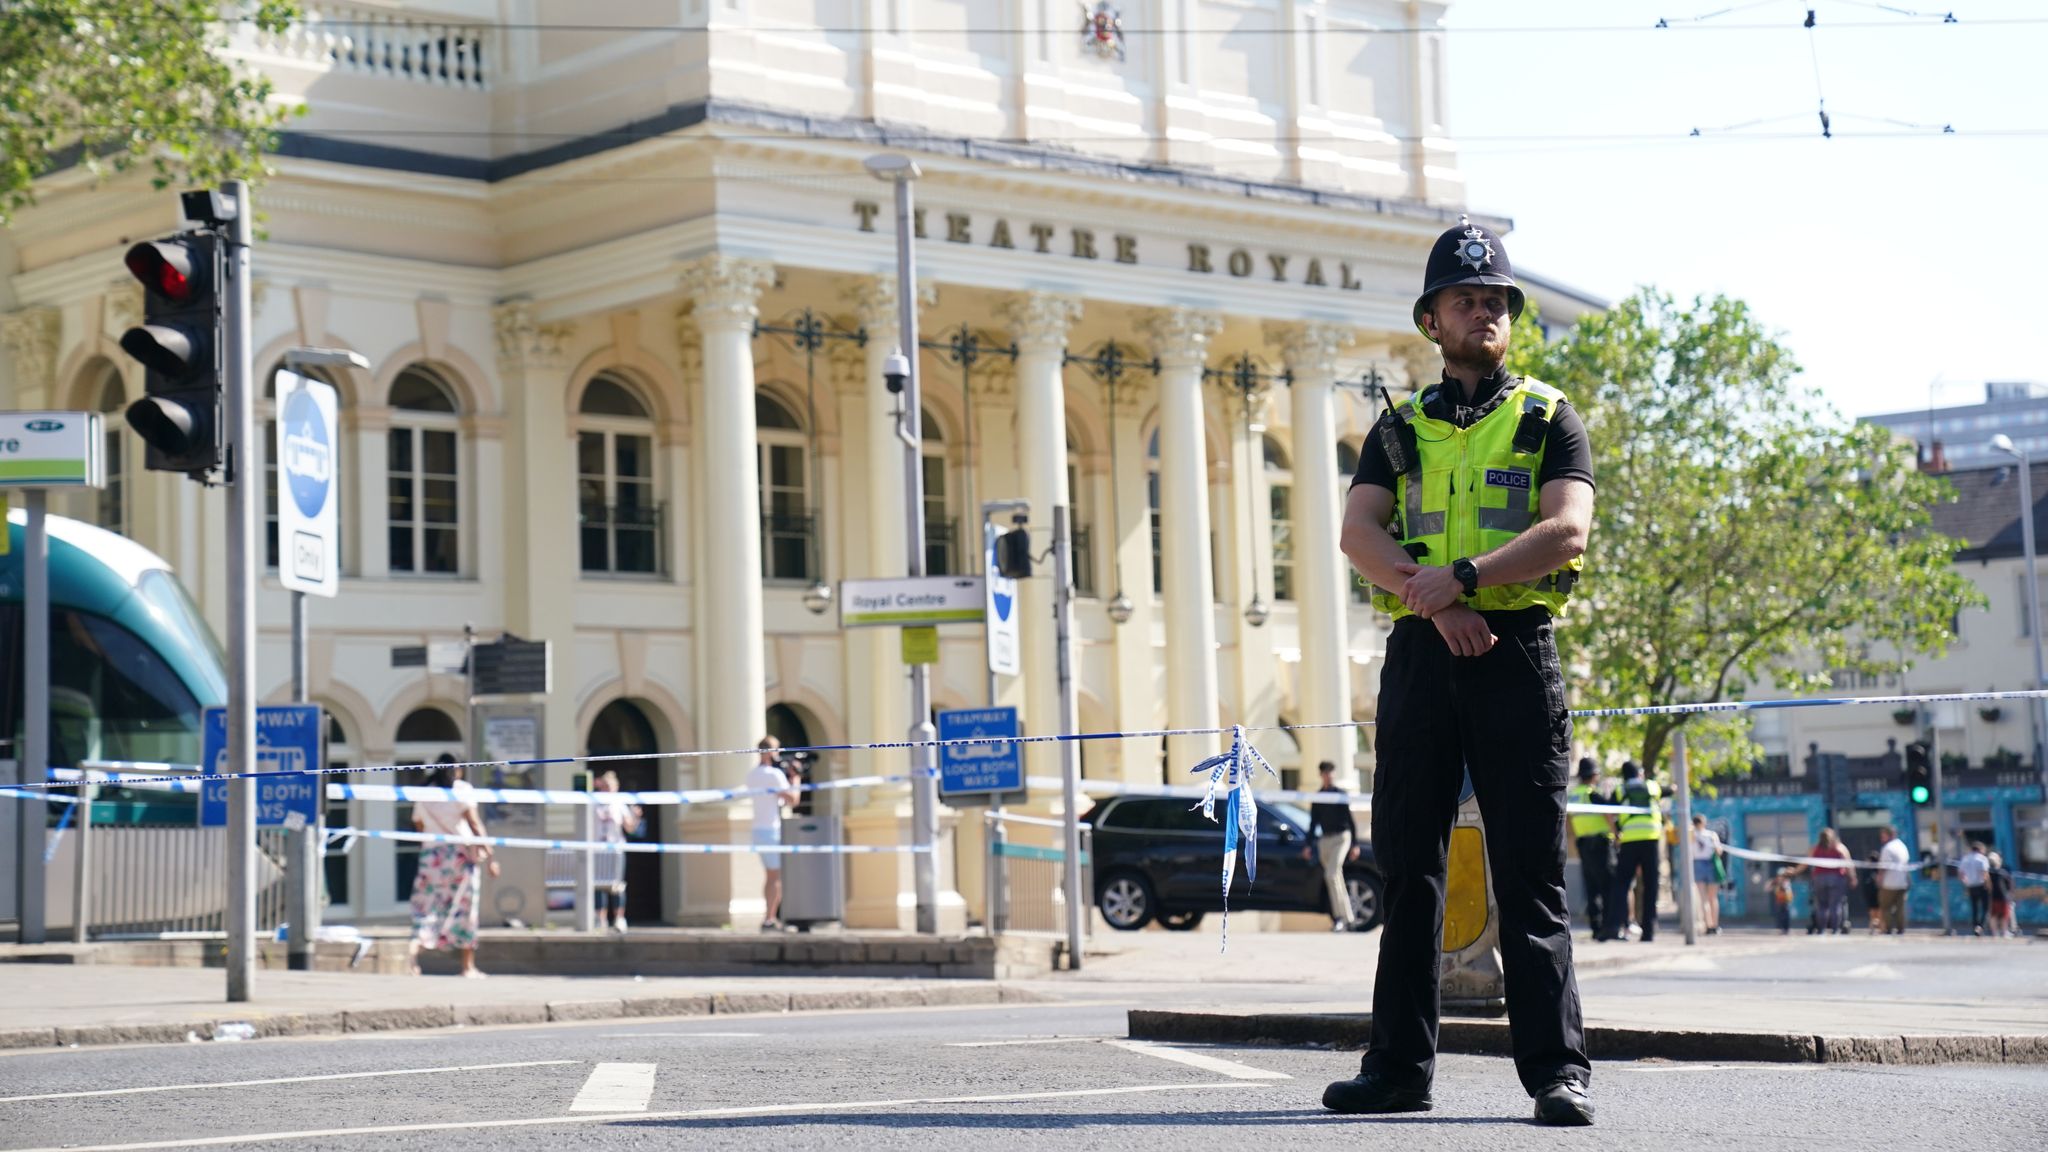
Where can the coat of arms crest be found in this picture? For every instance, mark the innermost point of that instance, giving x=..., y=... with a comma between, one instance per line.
x=1102, y=31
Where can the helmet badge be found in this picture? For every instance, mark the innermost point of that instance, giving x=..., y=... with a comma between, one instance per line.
x=1476, y=251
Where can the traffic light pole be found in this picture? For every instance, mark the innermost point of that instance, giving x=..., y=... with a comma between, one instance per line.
x=1940, y=821
x=243, y=493
x=34, y=815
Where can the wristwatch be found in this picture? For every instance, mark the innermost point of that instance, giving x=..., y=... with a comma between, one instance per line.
x=1467, y=574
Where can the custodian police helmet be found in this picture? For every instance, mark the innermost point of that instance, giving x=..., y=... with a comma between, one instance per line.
x=1467, y=254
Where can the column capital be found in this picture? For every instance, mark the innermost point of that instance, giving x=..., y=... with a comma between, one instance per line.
x=31, y=336
x=848, y=365
x=689, y=344
x=1420, y=359
x=724, y=290
x=873, y=300
x=524, y=342
x=1040, y=320
x=1180, y=335
x=1310, y=347
x=122, y=307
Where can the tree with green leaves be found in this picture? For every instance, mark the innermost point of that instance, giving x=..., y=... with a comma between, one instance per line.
x=1746, y=537
x=109, y=84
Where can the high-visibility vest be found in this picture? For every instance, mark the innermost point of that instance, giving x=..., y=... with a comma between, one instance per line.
x=1474, y=489
x=1642, y=825
x=1586, y=823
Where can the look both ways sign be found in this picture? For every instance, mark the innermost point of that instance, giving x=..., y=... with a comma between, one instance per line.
x=291, y=739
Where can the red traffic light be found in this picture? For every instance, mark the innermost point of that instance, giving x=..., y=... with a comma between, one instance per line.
x=165, y=268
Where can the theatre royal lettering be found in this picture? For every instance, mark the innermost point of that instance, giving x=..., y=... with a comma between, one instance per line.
x=1080, y=243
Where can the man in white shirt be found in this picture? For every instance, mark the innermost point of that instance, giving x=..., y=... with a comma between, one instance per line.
x=1894, y=876
x=1974, y=869
x=771, y=793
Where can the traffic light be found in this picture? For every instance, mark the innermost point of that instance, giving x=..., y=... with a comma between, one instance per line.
x=178, y=342
x=1919, y=775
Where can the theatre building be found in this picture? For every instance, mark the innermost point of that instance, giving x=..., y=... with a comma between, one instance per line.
x=1154, y=267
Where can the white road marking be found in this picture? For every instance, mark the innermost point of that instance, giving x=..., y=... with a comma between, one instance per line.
x=616, y=1118
x=1198, y=1060
x=1033, y=1040
x=1873, y=972
x=1611, y=1066
x=684, y=1035
x=616, y=1088
x=284, y=1080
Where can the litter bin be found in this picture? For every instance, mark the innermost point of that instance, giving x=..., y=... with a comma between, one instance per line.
x=813, y=883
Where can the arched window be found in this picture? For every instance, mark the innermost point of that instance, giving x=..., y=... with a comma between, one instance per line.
x=424, y=736
x=340, y=813
x=1152, y=502
x=787, y=525
x=112, y=512
x=621, y=521
x=940, y=535
x=1280, y=515
x=1081, y=524
x=423, y=498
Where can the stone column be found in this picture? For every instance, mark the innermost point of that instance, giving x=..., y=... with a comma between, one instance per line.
x=540, y=506
x=1180, y=338
x=1039, y=321
x=1137, y=692
x=1323, y=693
x=731, y=668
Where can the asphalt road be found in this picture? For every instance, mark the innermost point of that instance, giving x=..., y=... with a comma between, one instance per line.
x=1044, y=1076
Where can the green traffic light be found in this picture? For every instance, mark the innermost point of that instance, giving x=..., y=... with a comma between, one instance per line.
x=1919, y=794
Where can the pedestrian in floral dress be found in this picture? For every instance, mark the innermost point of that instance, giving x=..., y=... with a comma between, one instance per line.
x=447, y=891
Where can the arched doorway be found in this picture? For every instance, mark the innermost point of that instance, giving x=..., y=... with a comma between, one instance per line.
x=786, y=724
x=623, y=729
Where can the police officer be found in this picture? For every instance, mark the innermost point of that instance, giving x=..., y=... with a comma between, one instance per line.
x=1592, y=834
x=1469, y=513
x=1642, y=839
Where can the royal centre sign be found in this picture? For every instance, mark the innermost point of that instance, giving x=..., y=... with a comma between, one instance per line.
x=52, y=450
x=910, y=601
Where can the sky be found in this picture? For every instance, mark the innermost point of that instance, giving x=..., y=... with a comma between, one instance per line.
x=1899, y=270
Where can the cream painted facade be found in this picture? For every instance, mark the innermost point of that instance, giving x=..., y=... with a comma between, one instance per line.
x=552, y=246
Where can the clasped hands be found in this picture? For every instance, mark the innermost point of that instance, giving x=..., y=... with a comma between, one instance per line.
x=1431, y=592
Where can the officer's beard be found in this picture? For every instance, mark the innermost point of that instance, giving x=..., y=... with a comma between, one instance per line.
x=1477, y=353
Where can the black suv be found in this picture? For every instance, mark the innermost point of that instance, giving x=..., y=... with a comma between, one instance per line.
x=1158, y=858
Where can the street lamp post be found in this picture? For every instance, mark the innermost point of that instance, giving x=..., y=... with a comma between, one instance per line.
x=902, y=364
x=2003, y=443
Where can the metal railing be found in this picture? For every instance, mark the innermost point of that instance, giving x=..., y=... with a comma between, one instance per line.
x=1022, y=870
x=941, y=547
x=630, y=540
x=157, y=881
x=1083, y=544
x=789, y=546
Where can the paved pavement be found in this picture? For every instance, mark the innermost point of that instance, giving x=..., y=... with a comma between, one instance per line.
x=1052, y=1076
x=1738, y=981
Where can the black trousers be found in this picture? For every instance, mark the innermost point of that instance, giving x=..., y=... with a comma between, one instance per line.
x=1634, y=856
x=1596, y=876
x=1501, y=717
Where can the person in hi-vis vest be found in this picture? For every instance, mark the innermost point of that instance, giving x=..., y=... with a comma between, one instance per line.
x=1470, y=511
x=1593, y=836
x=1642, y=840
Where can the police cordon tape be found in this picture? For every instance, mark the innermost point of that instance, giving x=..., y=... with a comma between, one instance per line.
x=1911, y=866
x=351, y=834
x=906, y=745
